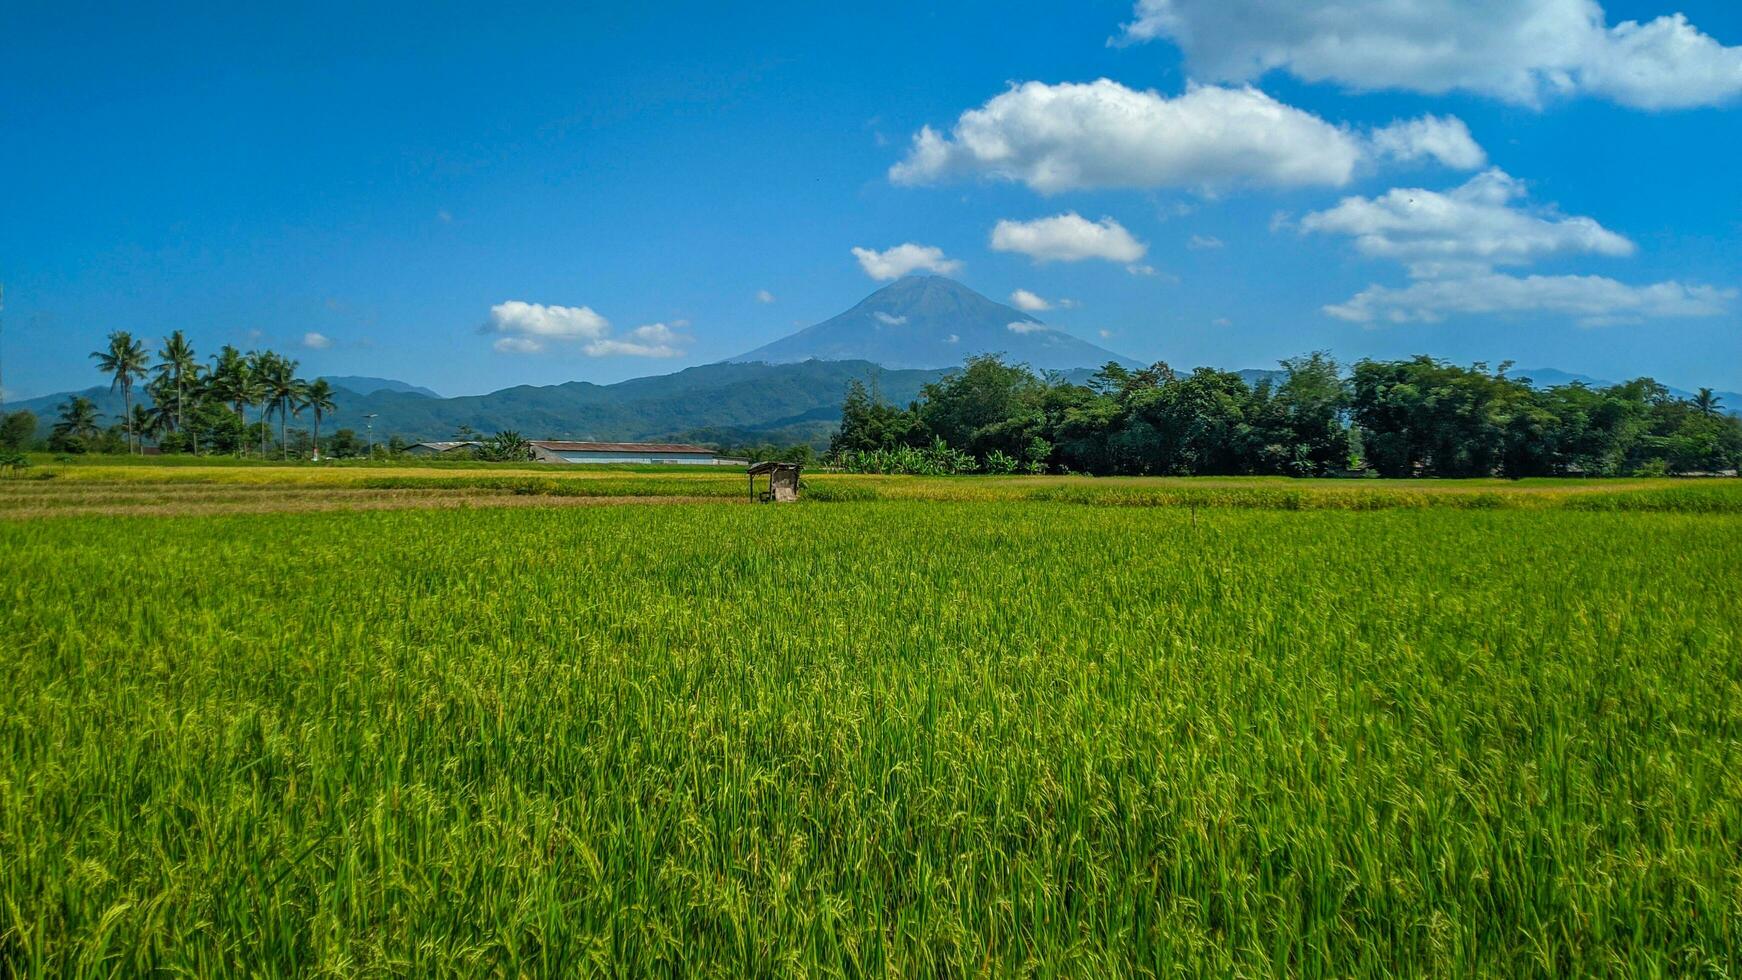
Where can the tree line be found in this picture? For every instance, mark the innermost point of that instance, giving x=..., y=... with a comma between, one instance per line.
x=191, y=406
x=1419, y=416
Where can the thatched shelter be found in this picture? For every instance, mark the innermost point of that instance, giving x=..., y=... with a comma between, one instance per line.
x=782, y=482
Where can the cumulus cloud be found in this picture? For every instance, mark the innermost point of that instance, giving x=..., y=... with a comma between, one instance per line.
x=1025, y=327
x=1472, y=227
x=1101, y=134
x=764, y=296
x=1591, y=300
x=316, y=341
x=903, y=259
x=1067, y=237
x=651, y=340
x=1520, y=51
x=1444, y=139
x=1450, y=243
x=548, y=322
x=530, y=328
x=1201, y=243
x=1029, y=302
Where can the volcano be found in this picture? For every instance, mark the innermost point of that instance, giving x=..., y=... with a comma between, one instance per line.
x=933, y=322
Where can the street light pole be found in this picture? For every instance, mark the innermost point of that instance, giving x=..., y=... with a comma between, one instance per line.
x=369, y=426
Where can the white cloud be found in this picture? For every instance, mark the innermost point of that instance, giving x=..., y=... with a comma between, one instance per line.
x=1025, y=326
x=1203, y=242
x=896, y=262
x=1444, y=139
x=530, y=328
x=1471, y=228
x=552, y=322
x=651, y=340
x=1141, y=270
x=1029, y=302
x=316, y=341
x=1451, y=241
x=953, y=339
x=1067, y=237
x=889, y=318
x=1068, y=304
x=1592, y=300
x=764, y=296
x=1105, y=334
x=1101, y=135
x=1521, y=51
x=1221, y=321
x=445, y=217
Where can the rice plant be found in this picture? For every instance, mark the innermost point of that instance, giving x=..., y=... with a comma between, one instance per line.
x=896, y=738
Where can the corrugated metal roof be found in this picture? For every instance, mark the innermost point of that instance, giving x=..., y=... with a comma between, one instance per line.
x=558, y=446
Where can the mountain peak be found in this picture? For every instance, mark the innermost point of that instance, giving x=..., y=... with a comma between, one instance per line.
x=932, y=322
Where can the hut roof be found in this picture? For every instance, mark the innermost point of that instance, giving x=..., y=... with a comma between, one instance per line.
x=770, y=466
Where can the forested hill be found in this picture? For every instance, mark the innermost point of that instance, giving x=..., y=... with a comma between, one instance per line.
x=728, y=403
x=725, y=402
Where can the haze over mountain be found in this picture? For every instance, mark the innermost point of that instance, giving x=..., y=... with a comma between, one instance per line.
x=368, y=386
x=901, y=337
x=933, y=322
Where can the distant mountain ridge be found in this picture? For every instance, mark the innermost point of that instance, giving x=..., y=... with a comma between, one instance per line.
x=933, y=322
x=369, y=386
x=1730, y=401
x=900, y=338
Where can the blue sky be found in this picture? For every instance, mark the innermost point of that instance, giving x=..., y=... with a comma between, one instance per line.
x=469, y=198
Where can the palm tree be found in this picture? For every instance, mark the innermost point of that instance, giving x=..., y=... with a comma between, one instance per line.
x=317, y=397
x=78, y=417
x=252, y=391
x=231, y=381
x=124, y=360
x=161, y=416
x=144, y=423
x=178, y=368
x=1707, y=401
x=281, y=389
x=506, y=446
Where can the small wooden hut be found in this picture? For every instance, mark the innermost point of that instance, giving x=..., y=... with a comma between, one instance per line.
x=782, y=482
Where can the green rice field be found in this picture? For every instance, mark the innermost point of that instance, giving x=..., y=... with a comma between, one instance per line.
x=293, y=722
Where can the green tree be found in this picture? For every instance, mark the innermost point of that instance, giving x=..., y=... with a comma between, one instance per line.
x=124, y=361
x=868, y=423
x=179, y=370
x=277, y=389
x=142, y=423
x=317, y=397
x=988, y=405
x=76, y=428
x=506, y=446
x=232, y=382
x=345, y=443
x=17, y=430
x=1311, y=404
